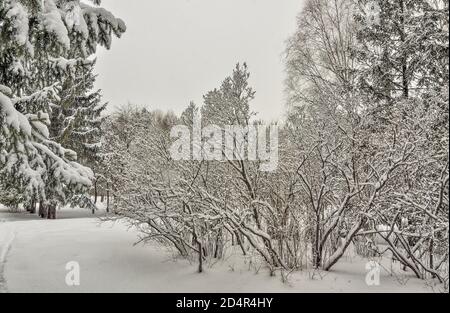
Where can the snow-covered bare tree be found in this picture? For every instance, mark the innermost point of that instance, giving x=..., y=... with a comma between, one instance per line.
x=404, y=71
x=362, y=136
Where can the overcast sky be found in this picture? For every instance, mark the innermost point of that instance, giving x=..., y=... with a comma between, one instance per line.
x=174, y=51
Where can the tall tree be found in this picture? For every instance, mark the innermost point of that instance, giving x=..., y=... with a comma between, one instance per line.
x=76, y=118
x=33, y=35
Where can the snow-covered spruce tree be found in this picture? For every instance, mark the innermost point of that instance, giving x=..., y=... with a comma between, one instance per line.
x=33, y=34
x=77, y=117
x=402, y=47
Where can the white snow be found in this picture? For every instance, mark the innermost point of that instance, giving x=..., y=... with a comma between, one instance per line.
x=5, y=90
x=68, y=65
x=36, y=252
x=13, y=118
x=53, y=23
x=19, y=20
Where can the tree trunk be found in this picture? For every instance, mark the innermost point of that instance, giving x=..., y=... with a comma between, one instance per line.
x=33, y=206
x=316, y=249
x=200, y=257
x=240, y=243
x=107, y=197
x=51, y=211
x=219, y=246
x=335, y=257
x=405, y=78
x=431, y=265
x=42, y=210
x=95, y=192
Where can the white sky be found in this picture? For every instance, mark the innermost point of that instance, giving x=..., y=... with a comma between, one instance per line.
x=174, y=51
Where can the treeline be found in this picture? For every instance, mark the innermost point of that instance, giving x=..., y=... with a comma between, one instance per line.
x=363, y=152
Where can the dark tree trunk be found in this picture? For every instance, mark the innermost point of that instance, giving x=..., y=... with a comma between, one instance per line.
x=200, y=251
x=33, y=206
x=42, y=210
x=316, y=248
x=431, y=265
x=51, y=211
x=219, y=246
x=240, y=243
x=95, y=192
x=107, y=197
x=200, y=257
x=405, y=78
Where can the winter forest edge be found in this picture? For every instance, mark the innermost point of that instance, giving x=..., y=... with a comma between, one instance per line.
x=362, y=164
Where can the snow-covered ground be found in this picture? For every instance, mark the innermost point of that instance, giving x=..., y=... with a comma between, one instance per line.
x=34, y=254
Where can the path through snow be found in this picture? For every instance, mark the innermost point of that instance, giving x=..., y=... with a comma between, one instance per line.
x=7, y=236
x=109, y=262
